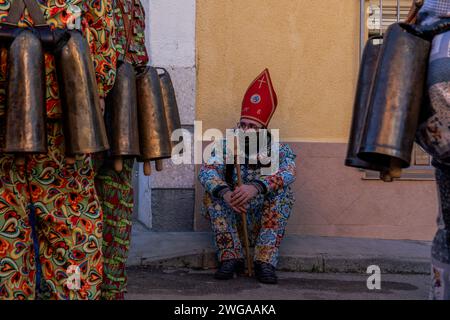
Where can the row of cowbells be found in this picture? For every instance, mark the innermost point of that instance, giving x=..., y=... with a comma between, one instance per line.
x=388, y=102
x=142, y=109
x=141, y=114
x=25, y=127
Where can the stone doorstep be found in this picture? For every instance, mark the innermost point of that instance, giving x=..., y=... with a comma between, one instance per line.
x=194, y=250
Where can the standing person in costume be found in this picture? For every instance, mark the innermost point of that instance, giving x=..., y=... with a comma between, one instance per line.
x=115, y=188
x=434, y=136
x=50, y=216
x=267, y=199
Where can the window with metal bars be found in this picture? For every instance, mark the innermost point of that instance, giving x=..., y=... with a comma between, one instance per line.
x=376, y=17
x=381, y=14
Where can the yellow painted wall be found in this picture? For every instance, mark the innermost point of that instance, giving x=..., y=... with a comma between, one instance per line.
x=311, y=48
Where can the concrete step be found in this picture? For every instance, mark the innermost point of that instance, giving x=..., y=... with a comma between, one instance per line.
x=298, y=253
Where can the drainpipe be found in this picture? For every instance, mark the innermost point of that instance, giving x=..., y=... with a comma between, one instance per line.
x=362, y=26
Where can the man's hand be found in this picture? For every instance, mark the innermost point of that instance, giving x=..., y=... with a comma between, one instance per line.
x=227, y=198
x=243, y=194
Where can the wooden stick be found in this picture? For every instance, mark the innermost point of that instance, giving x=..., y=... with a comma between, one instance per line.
x=413, y=11
x=147, y=168
x=19, y=160
x=159, y=165
x=244, y=218
x=118, y=164
x=393, y=172
x=395, y=169
x=70, y=160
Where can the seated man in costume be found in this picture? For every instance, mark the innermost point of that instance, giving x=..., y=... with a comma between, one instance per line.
x=266, y=200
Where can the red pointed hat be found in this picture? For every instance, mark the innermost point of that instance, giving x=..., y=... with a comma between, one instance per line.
x=260, y=100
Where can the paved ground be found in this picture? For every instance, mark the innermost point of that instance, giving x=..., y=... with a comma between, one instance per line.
x=297, y=253
x=319, y=268
x=147, y=284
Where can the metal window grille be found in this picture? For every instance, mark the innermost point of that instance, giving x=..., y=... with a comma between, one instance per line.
x=376, y=16
x=381, y=15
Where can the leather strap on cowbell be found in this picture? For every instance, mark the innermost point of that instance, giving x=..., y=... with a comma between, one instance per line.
x=17, y=8
x=413, y=11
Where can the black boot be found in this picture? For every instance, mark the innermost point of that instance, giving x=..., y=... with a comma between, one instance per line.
x=228, y=268
x=265, y=273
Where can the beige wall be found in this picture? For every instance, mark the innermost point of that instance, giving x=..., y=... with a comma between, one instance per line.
x=310, y=47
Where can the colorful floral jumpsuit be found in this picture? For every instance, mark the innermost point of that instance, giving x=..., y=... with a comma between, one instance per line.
x=50, y=216
x=115, y=189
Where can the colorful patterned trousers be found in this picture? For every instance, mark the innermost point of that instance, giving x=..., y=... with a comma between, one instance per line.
x=50, y=226
x=266, y=219
x=434, y=136
x=440, y=252
x=116, y=195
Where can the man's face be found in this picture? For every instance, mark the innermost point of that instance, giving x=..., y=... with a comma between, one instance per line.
x=247, y=124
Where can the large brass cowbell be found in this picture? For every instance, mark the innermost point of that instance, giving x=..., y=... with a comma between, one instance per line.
x=395, y=100
x=25, y=113
x=25, y=129
x=388, y=102
x=366, y=78
x=153, y=132
x=121, y=116
x=170, y=107
x=85, y=130
x=170, y=101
